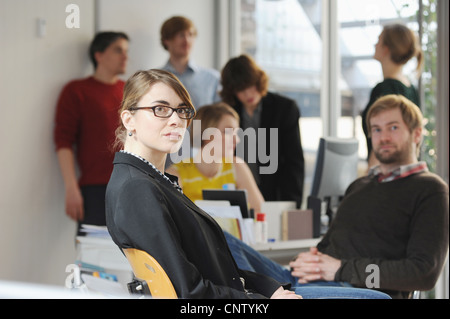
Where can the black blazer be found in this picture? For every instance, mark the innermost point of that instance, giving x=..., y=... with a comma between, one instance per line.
x=287, y=182
x=145, y=211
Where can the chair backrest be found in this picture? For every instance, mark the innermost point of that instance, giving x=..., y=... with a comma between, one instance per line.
x=145, y=267
x=336, y=166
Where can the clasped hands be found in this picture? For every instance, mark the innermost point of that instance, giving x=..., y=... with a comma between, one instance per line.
x=314, y=265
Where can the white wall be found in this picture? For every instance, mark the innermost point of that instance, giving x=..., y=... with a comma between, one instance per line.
x=36, y=238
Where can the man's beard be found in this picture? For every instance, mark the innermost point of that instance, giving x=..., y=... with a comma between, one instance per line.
x=388, y=158
x=400, y=155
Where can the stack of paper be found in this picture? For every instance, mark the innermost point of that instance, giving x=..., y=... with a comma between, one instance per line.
x=95, y=231
x=228, y=217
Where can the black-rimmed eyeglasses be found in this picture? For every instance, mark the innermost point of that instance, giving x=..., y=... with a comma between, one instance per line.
x=167, y=111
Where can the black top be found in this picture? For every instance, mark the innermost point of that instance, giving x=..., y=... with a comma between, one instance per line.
x=388, y=86
x=286, y=183
x=145, y=211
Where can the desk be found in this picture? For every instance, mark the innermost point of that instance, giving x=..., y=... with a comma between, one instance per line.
x=283, y=251
x=104, y=253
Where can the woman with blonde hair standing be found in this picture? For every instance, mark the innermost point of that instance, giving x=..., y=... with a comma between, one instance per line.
x=397, y=44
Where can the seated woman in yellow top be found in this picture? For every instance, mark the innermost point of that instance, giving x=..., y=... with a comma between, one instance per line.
x=215, y=164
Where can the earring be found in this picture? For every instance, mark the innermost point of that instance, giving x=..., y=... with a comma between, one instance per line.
x=130, y=133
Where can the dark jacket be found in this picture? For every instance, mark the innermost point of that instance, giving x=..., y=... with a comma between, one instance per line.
x=145, y=211
x=287, y=182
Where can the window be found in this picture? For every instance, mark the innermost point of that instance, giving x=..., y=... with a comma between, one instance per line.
x=284, y=38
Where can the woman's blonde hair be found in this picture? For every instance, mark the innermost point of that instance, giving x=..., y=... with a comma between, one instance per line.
x=210, y=116
x=403, y=44
x=137, y=86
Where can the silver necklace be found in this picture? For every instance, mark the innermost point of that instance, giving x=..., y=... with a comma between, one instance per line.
x=174, y=184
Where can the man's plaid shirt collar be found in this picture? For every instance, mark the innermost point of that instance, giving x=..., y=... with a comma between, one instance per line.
x=399, y=172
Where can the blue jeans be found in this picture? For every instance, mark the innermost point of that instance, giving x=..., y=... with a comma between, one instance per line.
x=249, y=259
x=337, y=292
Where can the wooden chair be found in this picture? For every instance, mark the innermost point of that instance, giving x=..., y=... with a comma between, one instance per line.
x=151, y=277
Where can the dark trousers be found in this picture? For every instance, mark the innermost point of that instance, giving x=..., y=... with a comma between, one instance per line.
x=94, y=206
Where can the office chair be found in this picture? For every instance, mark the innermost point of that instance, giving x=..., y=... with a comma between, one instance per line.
x=151, y=279
x=335, y=168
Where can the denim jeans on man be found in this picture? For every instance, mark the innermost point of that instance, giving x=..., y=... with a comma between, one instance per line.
x=249, y=259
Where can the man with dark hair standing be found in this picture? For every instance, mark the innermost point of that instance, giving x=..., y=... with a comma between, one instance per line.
x=85, y=122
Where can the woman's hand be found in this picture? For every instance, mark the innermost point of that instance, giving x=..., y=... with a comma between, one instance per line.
x=282, y=293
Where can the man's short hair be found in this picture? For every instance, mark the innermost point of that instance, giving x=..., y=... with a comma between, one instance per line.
x=411, y=114
x=174, y=25
x=102, y=41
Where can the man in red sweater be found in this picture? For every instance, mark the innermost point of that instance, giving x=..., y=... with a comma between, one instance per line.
x=85, y=123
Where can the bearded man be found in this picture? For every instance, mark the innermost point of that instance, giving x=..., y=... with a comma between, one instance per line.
x=391, y=229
